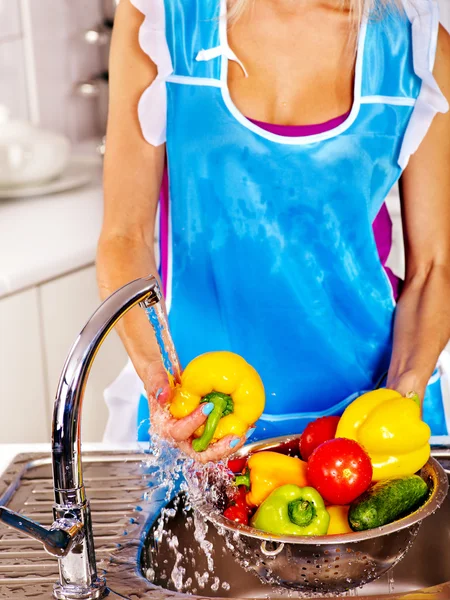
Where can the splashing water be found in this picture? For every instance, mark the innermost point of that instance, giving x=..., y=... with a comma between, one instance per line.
x=200, y=531
x=169, y=469
x=178, y=482
x=202, y=579
x=170, y=473
x=391, y=581
x=178, y=570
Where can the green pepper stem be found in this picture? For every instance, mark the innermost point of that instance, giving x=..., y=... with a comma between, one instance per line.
x=415, y=397
x=221, y=407
x=301, y=512
x=243, y=479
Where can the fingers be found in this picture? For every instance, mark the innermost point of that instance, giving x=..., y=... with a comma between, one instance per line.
x=183, y=429
x=158, y=387
x=164, y=394
x=224, y=447
x=218, y=451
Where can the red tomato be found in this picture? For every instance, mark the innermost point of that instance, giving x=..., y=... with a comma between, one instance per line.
x=340, y=470
x=237, y=465
x=239, y=499
x=237, y=514
x=317, y=432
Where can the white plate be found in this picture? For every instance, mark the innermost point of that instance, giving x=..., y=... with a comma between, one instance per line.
x=80, y=171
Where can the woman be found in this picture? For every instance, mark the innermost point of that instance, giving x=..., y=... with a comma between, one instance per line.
x=273, y=236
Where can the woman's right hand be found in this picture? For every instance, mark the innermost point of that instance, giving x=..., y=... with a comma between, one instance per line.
x=180, y=431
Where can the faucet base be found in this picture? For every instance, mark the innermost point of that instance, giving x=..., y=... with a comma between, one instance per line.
x=74, y=592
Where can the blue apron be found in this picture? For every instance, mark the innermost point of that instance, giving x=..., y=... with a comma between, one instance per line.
x=272, y=250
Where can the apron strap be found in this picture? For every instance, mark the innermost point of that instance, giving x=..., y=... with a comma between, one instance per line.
x=218, y=51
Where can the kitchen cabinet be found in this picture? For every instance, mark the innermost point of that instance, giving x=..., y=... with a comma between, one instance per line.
x=25, y=412
x=66, y=304
x=37, y=330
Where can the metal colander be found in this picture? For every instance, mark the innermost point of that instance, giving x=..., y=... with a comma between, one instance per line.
x=325, y=564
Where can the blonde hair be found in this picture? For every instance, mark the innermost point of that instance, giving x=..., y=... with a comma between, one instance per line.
x=356, y=7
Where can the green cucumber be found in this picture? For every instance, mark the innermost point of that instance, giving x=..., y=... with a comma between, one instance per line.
x=387, y=501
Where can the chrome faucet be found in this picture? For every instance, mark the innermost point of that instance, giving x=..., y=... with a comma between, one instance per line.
x=70, y=537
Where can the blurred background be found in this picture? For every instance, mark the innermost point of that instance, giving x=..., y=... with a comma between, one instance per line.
x=53, y=74
x=53, y=107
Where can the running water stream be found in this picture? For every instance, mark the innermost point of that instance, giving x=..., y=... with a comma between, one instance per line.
x=158, y=319
x=169, y=469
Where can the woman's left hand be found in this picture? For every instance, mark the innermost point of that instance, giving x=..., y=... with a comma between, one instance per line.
x=406, y=383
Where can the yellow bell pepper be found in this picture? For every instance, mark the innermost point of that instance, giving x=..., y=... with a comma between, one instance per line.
x=390, y=429
x=231, y=384
x=338, y=520
x=267, y=471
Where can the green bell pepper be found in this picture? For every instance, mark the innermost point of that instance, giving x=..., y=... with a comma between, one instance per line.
x=291, y=510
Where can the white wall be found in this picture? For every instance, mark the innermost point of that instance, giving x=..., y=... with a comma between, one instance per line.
x=445, y=13
x=42, y=56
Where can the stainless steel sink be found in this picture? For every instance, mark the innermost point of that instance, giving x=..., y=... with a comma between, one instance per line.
x=117, y=483
x=124, y=530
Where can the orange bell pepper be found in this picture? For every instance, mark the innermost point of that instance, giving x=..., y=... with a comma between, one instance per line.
x=267, y=471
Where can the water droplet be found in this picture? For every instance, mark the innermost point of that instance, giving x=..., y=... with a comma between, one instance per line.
x=215, y=585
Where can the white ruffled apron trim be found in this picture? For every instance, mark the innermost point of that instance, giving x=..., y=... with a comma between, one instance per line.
x=424, y=17
x=152, y=107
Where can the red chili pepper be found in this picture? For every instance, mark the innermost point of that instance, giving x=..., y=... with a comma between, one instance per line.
x=237, y=465
x=240, y=499
x=236, y=513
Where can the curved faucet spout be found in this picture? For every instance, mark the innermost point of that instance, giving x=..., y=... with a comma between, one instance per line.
x=67, y=471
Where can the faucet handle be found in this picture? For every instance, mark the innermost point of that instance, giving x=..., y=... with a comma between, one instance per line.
x=57, y=540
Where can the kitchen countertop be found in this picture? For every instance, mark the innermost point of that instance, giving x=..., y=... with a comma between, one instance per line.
x=47, y=236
